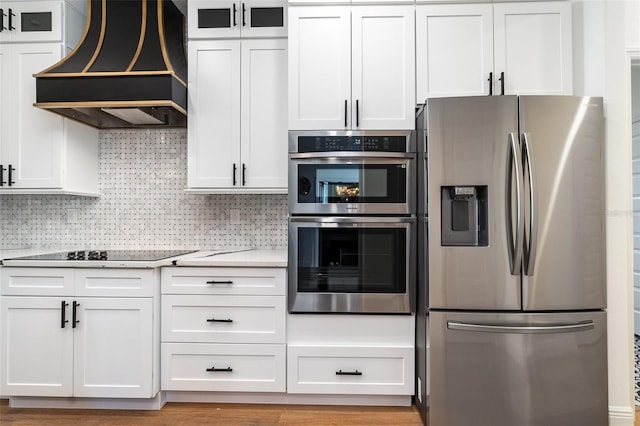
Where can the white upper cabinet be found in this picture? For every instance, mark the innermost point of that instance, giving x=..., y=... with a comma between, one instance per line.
x=351, y=67
x=40, y=152
x=455, y=50
x=383, y=67
x=319, y=67
x=501, y=48
x=237, y=134
x=233, y=19
x=533, y=48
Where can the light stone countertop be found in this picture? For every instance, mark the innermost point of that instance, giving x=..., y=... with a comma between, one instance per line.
x=249, y=258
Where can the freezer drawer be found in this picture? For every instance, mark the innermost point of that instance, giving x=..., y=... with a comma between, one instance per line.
x=490, y=369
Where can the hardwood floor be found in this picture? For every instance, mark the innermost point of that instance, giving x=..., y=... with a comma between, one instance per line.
x=185, y=414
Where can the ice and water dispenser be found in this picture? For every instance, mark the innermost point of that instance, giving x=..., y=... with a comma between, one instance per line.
x=464, y=215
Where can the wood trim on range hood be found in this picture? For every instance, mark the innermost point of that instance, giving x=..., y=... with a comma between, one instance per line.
x=132, y=55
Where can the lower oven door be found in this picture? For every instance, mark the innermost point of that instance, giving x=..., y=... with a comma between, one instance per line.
x=352, y=265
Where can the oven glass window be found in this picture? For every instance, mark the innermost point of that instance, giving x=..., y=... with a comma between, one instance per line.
x=352, y=183
x=345, y=260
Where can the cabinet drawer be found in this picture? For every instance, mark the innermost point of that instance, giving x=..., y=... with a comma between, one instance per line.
x=37, y=281
x=238, y=368
x=350, y=370
x=114, y=282
x=248, y=281
x=223, y=319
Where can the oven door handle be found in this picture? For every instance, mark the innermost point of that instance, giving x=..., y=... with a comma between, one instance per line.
x=365, y=220
x=358, y=155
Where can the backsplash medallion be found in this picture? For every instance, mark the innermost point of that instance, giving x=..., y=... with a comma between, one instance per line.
x=143, y=174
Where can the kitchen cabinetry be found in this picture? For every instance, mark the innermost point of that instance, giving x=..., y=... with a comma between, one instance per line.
x=40, y=152
x=79, y=332
x=351, y=67
x=237, y=122
x=502, y=48
x=233, y=19
x=350, y=354
x=223, y=329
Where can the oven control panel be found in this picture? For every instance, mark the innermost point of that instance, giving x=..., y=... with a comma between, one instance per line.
x=352, y=143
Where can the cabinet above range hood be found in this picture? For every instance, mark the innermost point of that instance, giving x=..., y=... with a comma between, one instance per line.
x=129, y=69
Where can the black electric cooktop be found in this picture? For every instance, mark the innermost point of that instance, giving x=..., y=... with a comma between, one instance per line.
x=107, y=255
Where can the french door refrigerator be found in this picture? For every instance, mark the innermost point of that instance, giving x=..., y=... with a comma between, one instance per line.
x=512, y=290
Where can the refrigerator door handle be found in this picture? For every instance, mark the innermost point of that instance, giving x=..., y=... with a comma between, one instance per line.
x=518, y=329
x=514, y=161
x=530, y=248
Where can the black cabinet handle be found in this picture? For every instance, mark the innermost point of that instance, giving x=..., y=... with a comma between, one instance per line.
x=244, y=172
x=63, y=315
x=74, y=314
x=348, y=373
x=235, y=13
x=228, y=369
x=490, y=79
x=219, y=282
x=10, y=171
x=2, y=15
x=345, y=113
x=244, y=10
x=357, y=113
x=2, y=169
x=501, y=83
x=219, y=320
x=11, y=15
x=234, y=173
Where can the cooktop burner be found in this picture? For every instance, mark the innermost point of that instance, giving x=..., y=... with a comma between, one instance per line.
x=110, y=255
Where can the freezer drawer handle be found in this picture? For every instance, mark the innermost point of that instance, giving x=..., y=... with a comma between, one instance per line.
x=348, y=373
x=522, y=329
x=214, y=369
x=219, y=320
x=219, y=282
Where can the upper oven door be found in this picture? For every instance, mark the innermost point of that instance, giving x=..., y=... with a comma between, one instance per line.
x=352, y=183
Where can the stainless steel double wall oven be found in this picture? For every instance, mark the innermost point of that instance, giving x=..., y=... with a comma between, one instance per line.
x=352, y=216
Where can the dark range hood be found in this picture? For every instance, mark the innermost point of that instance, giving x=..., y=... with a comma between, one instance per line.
x=129, y=69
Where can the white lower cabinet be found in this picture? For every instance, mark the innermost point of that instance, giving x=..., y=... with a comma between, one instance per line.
x=76, y=346
x=215, y=367
x=359, y=370
x=223, y=329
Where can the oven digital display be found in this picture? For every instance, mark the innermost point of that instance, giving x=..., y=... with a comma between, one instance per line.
x=352, y=143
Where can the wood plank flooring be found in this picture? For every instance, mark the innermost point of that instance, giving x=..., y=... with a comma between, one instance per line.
x=186, y=414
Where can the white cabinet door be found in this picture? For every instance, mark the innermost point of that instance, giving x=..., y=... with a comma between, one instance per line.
x=383, y=73
x=113, y=348
x=214, y=118
x=533, y=48
x=319, y=67
x=34, y=145
x=36, y=351
x=454, y=51
x=264, y=114
x=29, y=21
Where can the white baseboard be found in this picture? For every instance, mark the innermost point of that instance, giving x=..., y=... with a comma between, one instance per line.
x=89, y=403
x=621, y=415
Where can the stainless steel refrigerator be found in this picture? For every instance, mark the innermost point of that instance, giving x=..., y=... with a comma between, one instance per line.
x=511, y=320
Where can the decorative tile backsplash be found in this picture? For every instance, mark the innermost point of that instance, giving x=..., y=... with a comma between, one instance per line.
x=143, y=174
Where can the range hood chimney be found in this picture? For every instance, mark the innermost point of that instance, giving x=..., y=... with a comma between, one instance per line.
x=129, y=69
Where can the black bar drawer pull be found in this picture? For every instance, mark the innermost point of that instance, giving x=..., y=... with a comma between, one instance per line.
x=345, y=113
x=2, y=169
x=228, y=369
x=244, y=172
x=74, y=314
x=219, y=282
x=348, y=373
x=234, y=173
x=2, y=15
x=235, y=14
x=490, y=79
x=244, y=11
x=63, y=319
x=219, y=320
x=501, y=83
